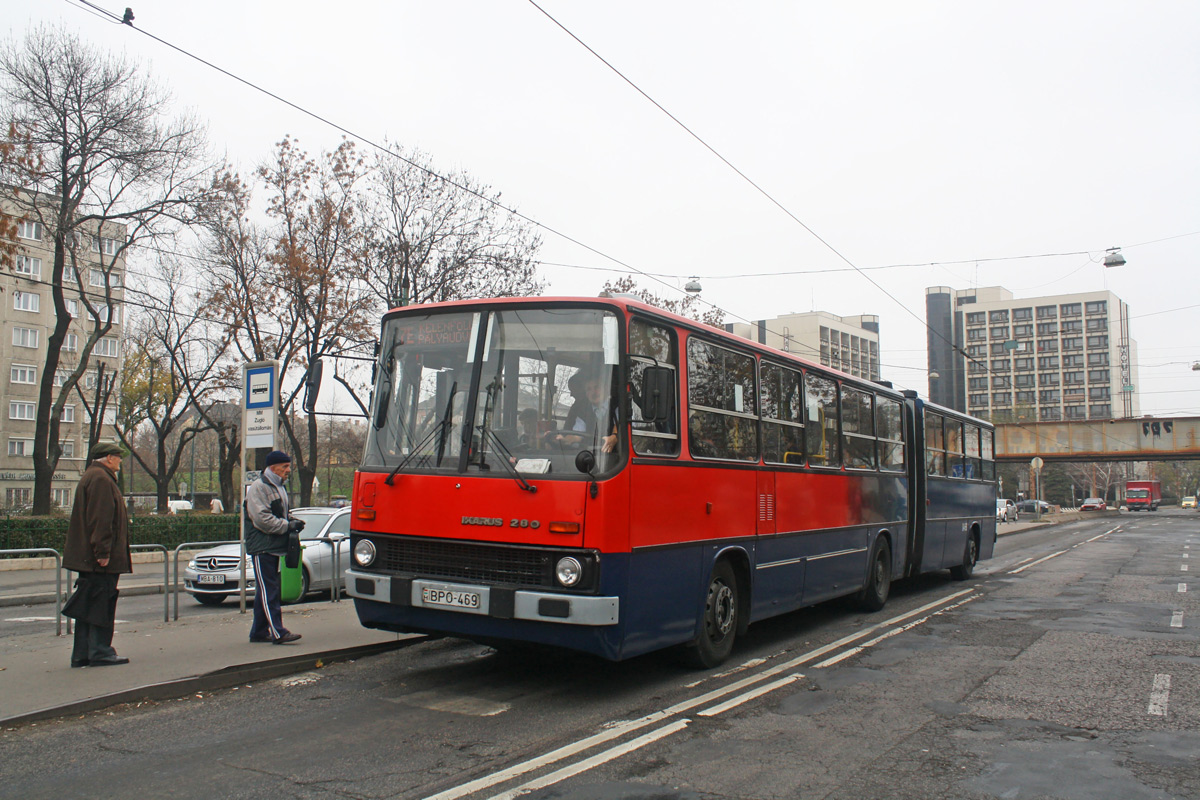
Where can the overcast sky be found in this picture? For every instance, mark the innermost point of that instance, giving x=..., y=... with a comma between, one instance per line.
x=913, y=133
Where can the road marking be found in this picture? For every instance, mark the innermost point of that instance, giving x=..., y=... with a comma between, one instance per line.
x=734, y=702
x=1183, y=568
x=628, y=726
x=754, y=662
x=1185, y=555
x=1177, y=619
x=1040, y=560
x=1160, y=693
x=595, y=761
x=1182, y=588
x=853, y=651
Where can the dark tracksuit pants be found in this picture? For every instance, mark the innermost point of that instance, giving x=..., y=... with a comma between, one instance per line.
x=268, y=614
x=94, y=642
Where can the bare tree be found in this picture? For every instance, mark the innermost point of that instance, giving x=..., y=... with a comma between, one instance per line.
x=433, y=239
x=688, y=306
x=170, y=368
x=288, y=293
x=108, y=172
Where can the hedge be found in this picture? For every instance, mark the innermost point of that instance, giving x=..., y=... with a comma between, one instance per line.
x=170, y=530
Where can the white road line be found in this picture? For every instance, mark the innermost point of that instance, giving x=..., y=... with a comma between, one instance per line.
x=1160, y=693
x=754, y=662
x=595, y=761
x=1039, y=561
x=743, y=698
x=1185, y=555
x=1183, y=568
x=1182, y=588
x=829, y=662
x=1023, y=561
x=628, y=726
x=1177, y=619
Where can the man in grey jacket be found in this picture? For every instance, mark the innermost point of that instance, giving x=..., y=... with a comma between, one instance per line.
x=267, y=529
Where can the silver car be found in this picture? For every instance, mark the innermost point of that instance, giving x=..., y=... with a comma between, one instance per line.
x=214, y=574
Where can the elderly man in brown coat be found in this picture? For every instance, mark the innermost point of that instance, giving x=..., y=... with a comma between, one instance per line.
x=98, y=549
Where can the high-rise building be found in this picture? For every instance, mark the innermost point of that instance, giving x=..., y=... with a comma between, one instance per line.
x=849, y=344
x=27, y=318
x=1060, y=357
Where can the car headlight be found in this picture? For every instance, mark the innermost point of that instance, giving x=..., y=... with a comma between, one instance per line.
x=364, y=553
x=568, y=571
x=192, y=565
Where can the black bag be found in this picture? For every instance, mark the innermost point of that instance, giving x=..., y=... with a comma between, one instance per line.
x=292, y=559
x=94, y=600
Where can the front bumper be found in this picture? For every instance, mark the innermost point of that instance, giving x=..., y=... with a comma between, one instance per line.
x=499, y=603
x=231, y=584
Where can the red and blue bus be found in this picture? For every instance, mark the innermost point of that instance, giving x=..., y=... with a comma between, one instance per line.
x=601, y=475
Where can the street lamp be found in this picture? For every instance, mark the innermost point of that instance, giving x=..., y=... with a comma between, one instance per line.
x=692, y=286
x=1113, y=258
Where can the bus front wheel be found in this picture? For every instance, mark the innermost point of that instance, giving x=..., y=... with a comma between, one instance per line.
x=879, y=579
x=720, y=623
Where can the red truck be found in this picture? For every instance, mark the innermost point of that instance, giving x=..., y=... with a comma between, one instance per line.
x=1141, y=495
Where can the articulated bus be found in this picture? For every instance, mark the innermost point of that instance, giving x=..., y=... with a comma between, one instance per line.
x=601, y=475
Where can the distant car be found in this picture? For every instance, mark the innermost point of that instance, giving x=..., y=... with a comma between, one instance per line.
x=1188, y=502
x=339, y=501
x=1031, y=506
x=1093, y=504
x=175, y=506
x=215, y=574
x=1014, y=513
x=1001, y=511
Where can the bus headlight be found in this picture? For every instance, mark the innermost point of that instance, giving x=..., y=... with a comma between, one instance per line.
x=568, y=571
x=364, y=553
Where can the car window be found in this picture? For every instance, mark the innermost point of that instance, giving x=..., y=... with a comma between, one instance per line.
x=341, y=524
x=314, y=522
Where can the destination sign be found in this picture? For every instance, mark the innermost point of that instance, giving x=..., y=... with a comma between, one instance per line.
x=437, y=331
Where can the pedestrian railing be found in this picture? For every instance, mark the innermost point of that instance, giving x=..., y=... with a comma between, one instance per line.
x=166, y=585
x=33, y=551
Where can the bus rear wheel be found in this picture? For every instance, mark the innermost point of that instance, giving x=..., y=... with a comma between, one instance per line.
x=874, y=595
x=970, y=556
x=720, y=624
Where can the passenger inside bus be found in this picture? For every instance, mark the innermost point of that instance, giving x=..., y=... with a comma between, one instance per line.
x=592, y=410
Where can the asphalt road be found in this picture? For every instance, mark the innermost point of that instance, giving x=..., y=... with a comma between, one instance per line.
x=1068, y=668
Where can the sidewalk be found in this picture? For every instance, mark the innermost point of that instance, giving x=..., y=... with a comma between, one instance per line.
x=169, y=660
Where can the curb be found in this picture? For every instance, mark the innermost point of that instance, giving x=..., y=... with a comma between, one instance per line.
x=210, y=681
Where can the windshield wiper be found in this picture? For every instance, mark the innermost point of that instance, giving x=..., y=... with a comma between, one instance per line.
x=438, y=430
x=506, y=459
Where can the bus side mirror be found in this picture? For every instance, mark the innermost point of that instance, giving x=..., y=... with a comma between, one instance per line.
x=658, y=394
x=312, y=385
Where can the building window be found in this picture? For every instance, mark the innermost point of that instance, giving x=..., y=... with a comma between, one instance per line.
x=97, y=277
x=113, y=311
x=28, y=229
x=1000, y=365
x=1099, y=324
x=62, y=497
x=1099, y=393
x=1022, y=314
x=1095, y=342
x=1052, y=414
x=1000, y=332
x=975, y=384
x=1097, y=307
x=18, y=373
x=1072, y=326
x=976, y=334
x=107, y=347
x=976, y=318
x=28, y=267
x=1048, y=362
x=1047, y=328
x=60, y=376
x=105, y=246
x=67, y=447
x=25, y=337
x=1048, y=379
x=1048, y=346
x=1047, y=312
x=979, y=400
x=1050, y=396
x=108, y=418
x=1074, y=412
x=1100, y=411
x=1074, y=343
x=1099, y=376
x=977, y=367
x=16, y=498
x=1001, y=382
x=976, y=350
x=1071, y=309
x=1002, y=398
x=68, y=414
x=70, y=343
x=21, y=410
x=27, y=301
x=1097, y=359
x=1023, y=381
x=1070, y=362
x=20, y=447
x=1023, y=363
x=1022, y=331
x=998, y=349
x=1072, y=378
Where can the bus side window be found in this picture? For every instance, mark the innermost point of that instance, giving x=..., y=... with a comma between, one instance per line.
x=891, y=434
x=954, y=449
x=971, y=464
x=722, y=402
x=782, y=403
x=935, y=445
x=821, y=432
x=652, y=349
x=858, y=429
x=989, y=463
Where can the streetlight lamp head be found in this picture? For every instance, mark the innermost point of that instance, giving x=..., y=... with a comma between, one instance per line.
x=1114, y=258
x=692, y=286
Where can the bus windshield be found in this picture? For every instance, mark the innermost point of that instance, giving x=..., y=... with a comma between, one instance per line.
x=546, y=390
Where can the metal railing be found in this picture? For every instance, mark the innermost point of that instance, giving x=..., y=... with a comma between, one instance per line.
x=30, y=551
x=167, y=588
x=193, y=546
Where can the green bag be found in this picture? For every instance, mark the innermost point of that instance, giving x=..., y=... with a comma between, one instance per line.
x=291, y=581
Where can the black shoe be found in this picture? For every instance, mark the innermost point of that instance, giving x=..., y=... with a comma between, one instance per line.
x=108, y=662
x=287, y=637
x=82, y=663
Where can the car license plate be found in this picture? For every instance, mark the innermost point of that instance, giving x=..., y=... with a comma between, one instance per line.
x=211, y=579
x=451, y=598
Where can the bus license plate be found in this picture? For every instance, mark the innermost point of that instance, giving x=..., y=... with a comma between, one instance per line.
x=209, y=579
x=451, y=598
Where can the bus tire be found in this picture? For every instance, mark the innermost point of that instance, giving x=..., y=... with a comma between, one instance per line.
x=970, y=556
x=720, y=623
x=874, y=595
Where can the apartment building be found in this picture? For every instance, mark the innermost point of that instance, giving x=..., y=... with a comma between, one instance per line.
x=849, y=344
x=1058, y=357
x=27, y=317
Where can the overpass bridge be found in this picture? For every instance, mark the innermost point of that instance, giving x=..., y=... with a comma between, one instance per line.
x=1138, y=439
